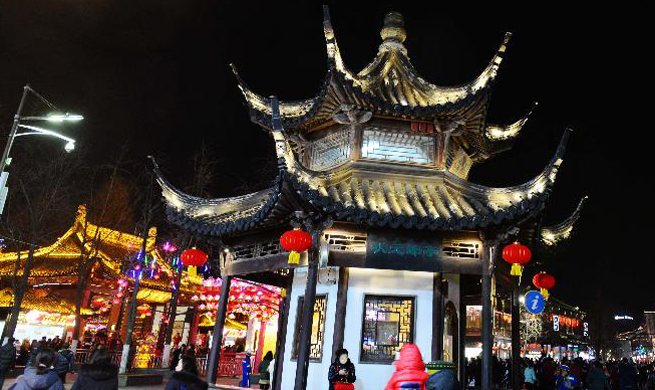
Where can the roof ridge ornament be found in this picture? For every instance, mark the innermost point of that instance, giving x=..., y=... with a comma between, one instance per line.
x=393, y=32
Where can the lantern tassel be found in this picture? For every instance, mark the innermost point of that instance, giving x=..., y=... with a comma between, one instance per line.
x=192, y=271
x=294, y=258
x=517, y=270
x=544, y=292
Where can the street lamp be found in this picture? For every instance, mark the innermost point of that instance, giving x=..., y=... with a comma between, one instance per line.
x=31, y=130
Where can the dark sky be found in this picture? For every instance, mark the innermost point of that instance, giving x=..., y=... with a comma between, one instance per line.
x=155, y=76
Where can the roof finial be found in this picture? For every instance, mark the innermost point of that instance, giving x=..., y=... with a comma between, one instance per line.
x=393, y=28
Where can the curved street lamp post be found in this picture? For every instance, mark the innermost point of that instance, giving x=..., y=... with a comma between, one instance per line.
x=31, y=130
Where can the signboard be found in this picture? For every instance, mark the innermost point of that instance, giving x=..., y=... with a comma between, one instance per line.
x=395, y=250
x=556, y=323
x=585, y=329
x=534, y=302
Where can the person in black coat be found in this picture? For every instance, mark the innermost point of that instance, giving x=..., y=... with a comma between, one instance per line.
x=177, y=354
x=185, y=376
x=341, y=370
x=7, y=356
x=99, y=374
x=64, y=362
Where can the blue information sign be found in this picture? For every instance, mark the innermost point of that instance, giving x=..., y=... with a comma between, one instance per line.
x=534, y=302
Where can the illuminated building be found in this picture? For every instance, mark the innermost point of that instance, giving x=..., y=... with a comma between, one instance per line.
x=376, y=166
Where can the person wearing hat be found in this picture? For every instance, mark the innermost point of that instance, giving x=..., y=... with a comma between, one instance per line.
x=7, y=356
x=565, y=381
x=341, y=374
x=410, y=370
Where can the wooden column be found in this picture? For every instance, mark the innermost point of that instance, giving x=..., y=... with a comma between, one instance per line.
x=340, y=314
x=516, y=339
x=487, y=315
x=462, y=336
x=283, y=321
x=437, y=317
x=193, y=331
x=307, y=316
x=215, y=351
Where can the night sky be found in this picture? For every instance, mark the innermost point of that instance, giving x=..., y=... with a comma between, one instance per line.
x=155, y=77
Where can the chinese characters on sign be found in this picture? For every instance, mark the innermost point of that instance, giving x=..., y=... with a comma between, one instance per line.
x=408, y=250
x=403, y=251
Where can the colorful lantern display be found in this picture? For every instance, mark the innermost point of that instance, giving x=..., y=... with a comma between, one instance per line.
x=144, y=310
x=296, y=241
x=544, y=282
x=517, y=255
x=193, y=258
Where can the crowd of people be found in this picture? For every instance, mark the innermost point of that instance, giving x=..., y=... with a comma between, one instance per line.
x=548, y=374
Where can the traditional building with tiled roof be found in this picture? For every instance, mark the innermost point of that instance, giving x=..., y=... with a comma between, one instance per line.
x=376, y=166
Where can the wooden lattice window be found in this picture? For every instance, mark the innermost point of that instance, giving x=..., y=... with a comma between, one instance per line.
x=388, y=324
x=402, y=147
x=318, y=329
x=330, y=151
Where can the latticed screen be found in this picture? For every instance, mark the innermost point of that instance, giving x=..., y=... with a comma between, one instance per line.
x=400, y=147
x=330, y=150
x=388, y=325
x=318, y=329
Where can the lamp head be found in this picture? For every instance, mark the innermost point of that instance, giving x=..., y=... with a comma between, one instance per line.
x=69, y=146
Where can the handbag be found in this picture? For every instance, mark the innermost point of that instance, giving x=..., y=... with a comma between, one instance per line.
x=343, y=386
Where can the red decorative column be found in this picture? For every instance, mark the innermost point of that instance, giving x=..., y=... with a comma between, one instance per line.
x=260, y=346
x=193, y=332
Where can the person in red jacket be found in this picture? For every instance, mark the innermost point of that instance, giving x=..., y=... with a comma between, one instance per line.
x=410, y=370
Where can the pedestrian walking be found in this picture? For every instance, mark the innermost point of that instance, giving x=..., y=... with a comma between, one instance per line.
x=7, y=357
x=565, y=381
x=341, y=374
x=24, y=353
x=185, y=376
x=410, y=370
x=264, y=373
x=177, y=354
x=64, y=362
x=597, y=379
x=627, y=375
x=529, y=375
x=98, y=374
x=39, y=374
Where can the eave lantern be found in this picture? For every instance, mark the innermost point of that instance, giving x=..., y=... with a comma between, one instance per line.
x=517, y=255
x=295, y=241
x=193, y=258
x=544, y=282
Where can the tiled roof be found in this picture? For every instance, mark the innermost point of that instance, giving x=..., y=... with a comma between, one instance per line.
x=378, y=194
x=388, y=85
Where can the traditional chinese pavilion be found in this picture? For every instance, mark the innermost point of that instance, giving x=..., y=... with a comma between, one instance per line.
x=375, y=167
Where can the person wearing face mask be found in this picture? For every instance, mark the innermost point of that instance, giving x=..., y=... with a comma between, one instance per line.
x=341, y=374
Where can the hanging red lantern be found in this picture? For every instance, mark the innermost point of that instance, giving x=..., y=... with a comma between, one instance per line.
x=544, y=282
x=97, y=302
x=296, y=241
x=517, y=255
x=193, y=258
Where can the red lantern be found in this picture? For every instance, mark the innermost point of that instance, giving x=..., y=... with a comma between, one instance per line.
x=544, y=282
x=296, y=241
x=517, y=255
x=193, y=258
x=97, y=302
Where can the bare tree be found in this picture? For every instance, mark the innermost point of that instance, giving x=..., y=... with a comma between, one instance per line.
x=111, y=207
x=43, y=190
